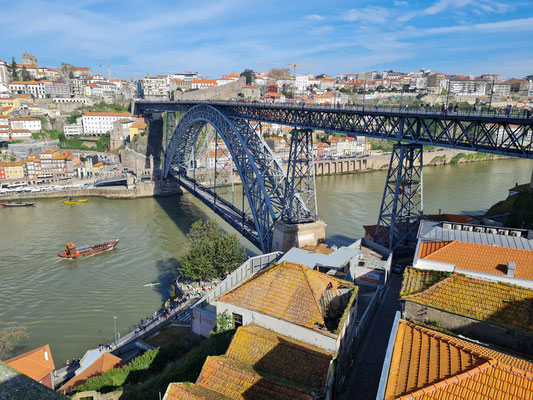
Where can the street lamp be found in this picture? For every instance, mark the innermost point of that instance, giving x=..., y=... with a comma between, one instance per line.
x=491, y=90
x=115, y=326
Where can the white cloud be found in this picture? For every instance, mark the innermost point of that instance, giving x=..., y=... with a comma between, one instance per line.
x=399, y=3
x=367, y=15
x=314, y=17
x=479, y=7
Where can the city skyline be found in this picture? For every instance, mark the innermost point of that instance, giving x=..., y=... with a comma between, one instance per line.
x=450, y=36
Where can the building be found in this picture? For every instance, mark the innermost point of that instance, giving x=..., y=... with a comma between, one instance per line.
x=57, y=88
x=104, y=363
x=467, y=87
x=37, y=364
x=251, y=92
x=78, y=72
x=49, y=164
x=27, y=123
x=423, y=363
x=5, y=72
x=120, y=132
x=261, y=364
x=13, y=170
x=29, y=58
x=99, y=123
x=156, y=87
x=302, y=82
x=136, y=128
x=73, y=129
x=203, y=83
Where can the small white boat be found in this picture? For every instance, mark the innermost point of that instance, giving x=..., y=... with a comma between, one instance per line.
x=152, y=284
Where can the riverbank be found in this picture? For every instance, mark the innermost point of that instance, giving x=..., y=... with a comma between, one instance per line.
x=139, y=190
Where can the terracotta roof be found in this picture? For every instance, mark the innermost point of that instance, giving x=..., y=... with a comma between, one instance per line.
x=238, y=381
x=249, y=87
x=479, y=257
x=321, y=248
x=233, y=75
x=36, y=364
x=417, y=280
x=280, y=356
x=213, y=81
x=107, y=114
x=427, y=364
x=101, y=365
x=139, y=125
x=286, y=291
x=24, y=119
x=79, y=68
x=495, y=302
x=183, y=391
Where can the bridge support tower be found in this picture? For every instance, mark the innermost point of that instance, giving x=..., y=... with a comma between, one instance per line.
x=401, y=205
x=299, y=225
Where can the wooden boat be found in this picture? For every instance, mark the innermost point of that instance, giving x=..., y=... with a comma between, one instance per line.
x=17, y=204
x=86, y=250
x=70, y=201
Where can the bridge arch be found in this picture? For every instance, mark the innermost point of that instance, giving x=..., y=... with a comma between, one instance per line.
x=262, y=175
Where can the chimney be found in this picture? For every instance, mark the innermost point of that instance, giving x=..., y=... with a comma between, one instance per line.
x=511, y=266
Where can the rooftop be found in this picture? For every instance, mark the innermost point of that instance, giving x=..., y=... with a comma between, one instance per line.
x=36, y=364
x=15, y=385
x=427, y=364
x=293, y=293
x=494, y=302
x=479, y=257
x=107, y=114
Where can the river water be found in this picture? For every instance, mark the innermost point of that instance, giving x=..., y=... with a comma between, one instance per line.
x=71, y=305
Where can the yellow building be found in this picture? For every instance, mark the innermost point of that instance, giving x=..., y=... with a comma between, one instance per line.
x=9, y=102
x=136, y=129
x=13, y=170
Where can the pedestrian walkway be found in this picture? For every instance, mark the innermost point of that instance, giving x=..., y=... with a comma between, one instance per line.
x=363, y=381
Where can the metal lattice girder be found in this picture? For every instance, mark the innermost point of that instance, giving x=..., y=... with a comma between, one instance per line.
x=401, y=206
x=300, y=191
x=496, y=133
x=262, y=175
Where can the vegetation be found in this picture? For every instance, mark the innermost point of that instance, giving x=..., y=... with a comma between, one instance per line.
x=473, y=156
x=418, y=280
x=102, y=144
x=280, y=73
x=225, y=322
x=46, y=134
x=151, y=373
x=73, y=117
x=9, y=338
x=14, y=73
x=250, y=76
x=381, y=144
x=212, y=254
x=521, y=215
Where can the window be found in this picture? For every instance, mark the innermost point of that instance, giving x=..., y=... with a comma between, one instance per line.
x=237, y=318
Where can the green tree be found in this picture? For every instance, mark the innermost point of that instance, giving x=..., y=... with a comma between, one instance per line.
x=212, y=253
x=25, y=75
x=9, y=338
x=250, y=76
x=14, y=69
x=225, y=322
x=521, y=215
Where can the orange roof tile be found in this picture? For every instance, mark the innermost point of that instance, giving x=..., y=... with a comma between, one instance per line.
x=287, y=291
x=213, y=81
x=495, y=302
x=104, y=363
x=427, y=364
x=138, y=125
x=281, y=356
x=36, y=364
x=479, y=257
x=233, y=75
x=183, y=391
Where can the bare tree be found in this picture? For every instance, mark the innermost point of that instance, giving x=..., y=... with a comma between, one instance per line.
x=280, y=73
x=9, y=338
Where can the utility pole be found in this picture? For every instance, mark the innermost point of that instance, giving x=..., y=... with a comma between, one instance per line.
x=448, y=93
x=115, y=326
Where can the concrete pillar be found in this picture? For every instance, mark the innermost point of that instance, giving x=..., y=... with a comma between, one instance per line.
x=285, y=235
x=531, y=182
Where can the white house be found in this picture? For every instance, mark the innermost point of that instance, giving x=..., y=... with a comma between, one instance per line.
x=98, y=123
x=204, y=83
x=30, y=124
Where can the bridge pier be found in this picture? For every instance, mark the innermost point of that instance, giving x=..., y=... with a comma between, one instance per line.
x=286, y=235
x=401, y=205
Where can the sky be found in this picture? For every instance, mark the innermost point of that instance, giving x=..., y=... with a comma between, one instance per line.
x=215, y=38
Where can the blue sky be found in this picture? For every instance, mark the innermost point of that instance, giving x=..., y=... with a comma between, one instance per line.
x=219, y=37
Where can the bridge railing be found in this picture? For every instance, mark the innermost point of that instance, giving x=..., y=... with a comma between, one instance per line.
x=249, y=267
x=432, y=110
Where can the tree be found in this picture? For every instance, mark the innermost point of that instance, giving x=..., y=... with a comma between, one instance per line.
x=225, y=322
x=212, y=254
x=14, y=69
x=250, y=76
x=280, y=73
x=9, y=338
x=25, y=75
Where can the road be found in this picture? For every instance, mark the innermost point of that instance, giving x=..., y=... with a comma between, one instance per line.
x=363, y=381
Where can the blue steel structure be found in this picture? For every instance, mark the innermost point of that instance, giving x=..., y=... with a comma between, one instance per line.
x=273, y=194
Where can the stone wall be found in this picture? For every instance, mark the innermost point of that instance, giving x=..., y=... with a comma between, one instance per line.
x=222, y=92
x=475, y=329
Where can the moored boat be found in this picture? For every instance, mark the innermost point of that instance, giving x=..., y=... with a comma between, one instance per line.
x=72, y=251
x=70, y=201
x=17, y=204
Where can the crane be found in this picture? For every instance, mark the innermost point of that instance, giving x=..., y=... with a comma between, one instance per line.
x=263, y=62
x=297, y=65
x=109, y=68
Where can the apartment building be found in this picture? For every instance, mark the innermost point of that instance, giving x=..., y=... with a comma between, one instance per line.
x=26, y=123
x=155, y=87
x=98, y=123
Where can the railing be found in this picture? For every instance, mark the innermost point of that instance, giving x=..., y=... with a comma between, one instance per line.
x=249, y=267
x=418, y=110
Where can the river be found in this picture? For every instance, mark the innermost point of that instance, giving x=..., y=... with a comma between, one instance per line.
x=71, y=305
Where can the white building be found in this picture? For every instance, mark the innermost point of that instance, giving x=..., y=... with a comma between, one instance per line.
x=302, y=82
x=73, y=129
x=468, y=87
x=30, y=124
x=204, y=83
x=5, y=72
x=156, y=87
x=99, y=123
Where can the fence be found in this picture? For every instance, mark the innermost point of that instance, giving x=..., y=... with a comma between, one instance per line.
x=249, y=267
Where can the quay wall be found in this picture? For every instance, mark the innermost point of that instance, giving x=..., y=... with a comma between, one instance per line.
x=141, y=189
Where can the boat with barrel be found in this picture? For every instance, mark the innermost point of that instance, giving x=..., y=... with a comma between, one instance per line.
x=17, y=204
x=72, y=201
x=73, y=251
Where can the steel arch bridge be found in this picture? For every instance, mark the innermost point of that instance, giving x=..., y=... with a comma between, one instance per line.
x=272, y=192
x=265, y=183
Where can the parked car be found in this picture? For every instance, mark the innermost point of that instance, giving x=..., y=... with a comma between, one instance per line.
x=398, y=269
